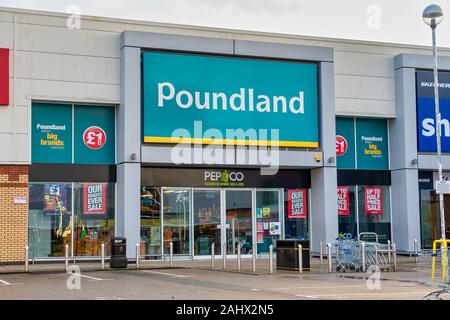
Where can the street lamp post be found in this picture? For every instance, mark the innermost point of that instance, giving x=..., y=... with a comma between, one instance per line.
x=432, y=16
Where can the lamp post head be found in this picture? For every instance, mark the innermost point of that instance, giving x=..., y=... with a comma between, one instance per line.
x=433, y=15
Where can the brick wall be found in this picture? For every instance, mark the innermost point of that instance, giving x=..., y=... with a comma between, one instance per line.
x=13, y=217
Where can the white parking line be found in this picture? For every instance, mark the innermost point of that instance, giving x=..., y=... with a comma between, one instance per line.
x=168, y=274
x=89, y=277
x=5, y=282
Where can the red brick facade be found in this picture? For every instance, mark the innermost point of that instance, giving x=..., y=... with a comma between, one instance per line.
x=13, y=215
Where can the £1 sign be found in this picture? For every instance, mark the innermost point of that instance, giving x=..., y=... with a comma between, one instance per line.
x=341, y=145
x=94, y=137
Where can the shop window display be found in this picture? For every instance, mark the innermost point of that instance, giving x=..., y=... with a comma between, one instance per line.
x=268, y=224
x=150, y=223
x=80, y=215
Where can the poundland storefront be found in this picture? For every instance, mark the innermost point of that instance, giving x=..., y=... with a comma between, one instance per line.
x=226, y=146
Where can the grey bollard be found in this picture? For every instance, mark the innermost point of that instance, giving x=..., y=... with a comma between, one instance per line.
x=103, y=256
x=300, y=258
x=254, y=259
x=271, y=259
x=239, y=257
x=213, y=255
x=330, y=260
x=389, y=251
x=321, y=253
x=416, y=250
x=66, y=257
x=395, y=256
x=224, y=256
x=138, y=254
x=26, y=258
x=171, y=254
x=363, y=256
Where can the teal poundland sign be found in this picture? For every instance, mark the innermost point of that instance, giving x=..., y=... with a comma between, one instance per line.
x=66, y=133
x=362, y=144
x=207, y=100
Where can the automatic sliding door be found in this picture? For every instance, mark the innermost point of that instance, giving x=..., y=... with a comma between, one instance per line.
x=238, y=220
x=206, y=222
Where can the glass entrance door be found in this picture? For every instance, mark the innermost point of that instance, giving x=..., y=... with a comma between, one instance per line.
x=207, y=222
x=238, y=221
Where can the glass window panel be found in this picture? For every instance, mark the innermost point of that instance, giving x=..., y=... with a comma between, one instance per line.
x=176, y=220
x=348, y=223
x=151, y=222
x=93, y=218
x=295, y=228
x=267, y=219
x=378, y=223
x=49, y=219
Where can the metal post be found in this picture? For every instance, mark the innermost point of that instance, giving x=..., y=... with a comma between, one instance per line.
x=438, y=143
x=26, y=258
x=416, y=250
x=224, y=256
x=376, y=255
x=330, y=262
x=271, y=259
x=395, y=256
x=321, y=253
x=254, y=259
x=239, y=257
x=67, y=257
x=103, y=255
x=213, y=255
x=138, y=255
x=389, y=251
x=300, y=258
x=363, y=256
x=171, y=253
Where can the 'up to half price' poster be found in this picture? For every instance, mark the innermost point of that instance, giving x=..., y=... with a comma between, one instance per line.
x=373, y=200
x=343, y=201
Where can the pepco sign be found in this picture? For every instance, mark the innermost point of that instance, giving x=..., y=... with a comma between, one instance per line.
x=4, y=77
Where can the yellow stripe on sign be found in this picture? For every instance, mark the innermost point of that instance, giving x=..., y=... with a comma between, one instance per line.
x=303, y=144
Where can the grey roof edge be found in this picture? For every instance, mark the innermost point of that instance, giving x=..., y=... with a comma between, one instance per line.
x=153, y=40
x=285, y=51
x=406, y=60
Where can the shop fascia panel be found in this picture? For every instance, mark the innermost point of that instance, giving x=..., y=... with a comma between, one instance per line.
x=430, y=162
x=162, y=155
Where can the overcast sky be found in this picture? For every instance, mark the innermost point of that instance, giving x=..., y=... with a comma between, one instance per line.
x=397, y=21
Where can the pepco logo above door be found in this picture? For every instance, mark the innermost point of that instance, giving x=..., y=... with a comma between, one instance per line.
x=4, y=77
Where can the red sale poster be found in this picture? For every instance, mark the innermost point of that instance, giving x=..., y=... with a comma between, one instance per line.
x=374, y=200
x=94, y=198
x=297, y=205
x=343, y=201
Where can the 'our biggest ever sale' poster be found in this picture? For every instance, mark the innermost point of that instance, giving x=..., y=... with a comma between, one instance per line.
x=94, y=198
x=297, y=206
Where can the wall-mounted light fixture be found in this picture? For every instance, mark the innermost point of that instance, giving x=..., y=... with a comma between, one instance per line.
x=331, y=160
x=414, y=162
x=133, y=156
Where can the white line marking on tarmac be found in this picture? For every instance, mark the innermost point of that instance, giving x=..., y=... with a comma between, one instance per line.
x=304, y=296
x=89, y=277
x=5, y=282
x=169, y=274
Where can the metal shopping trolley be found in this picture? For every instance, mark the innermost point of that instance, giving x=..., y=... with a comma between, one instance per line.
x=348, y=254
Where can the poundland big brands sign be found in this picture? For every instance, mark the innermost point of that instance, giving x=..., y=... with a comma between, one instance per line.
x=205, y=99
